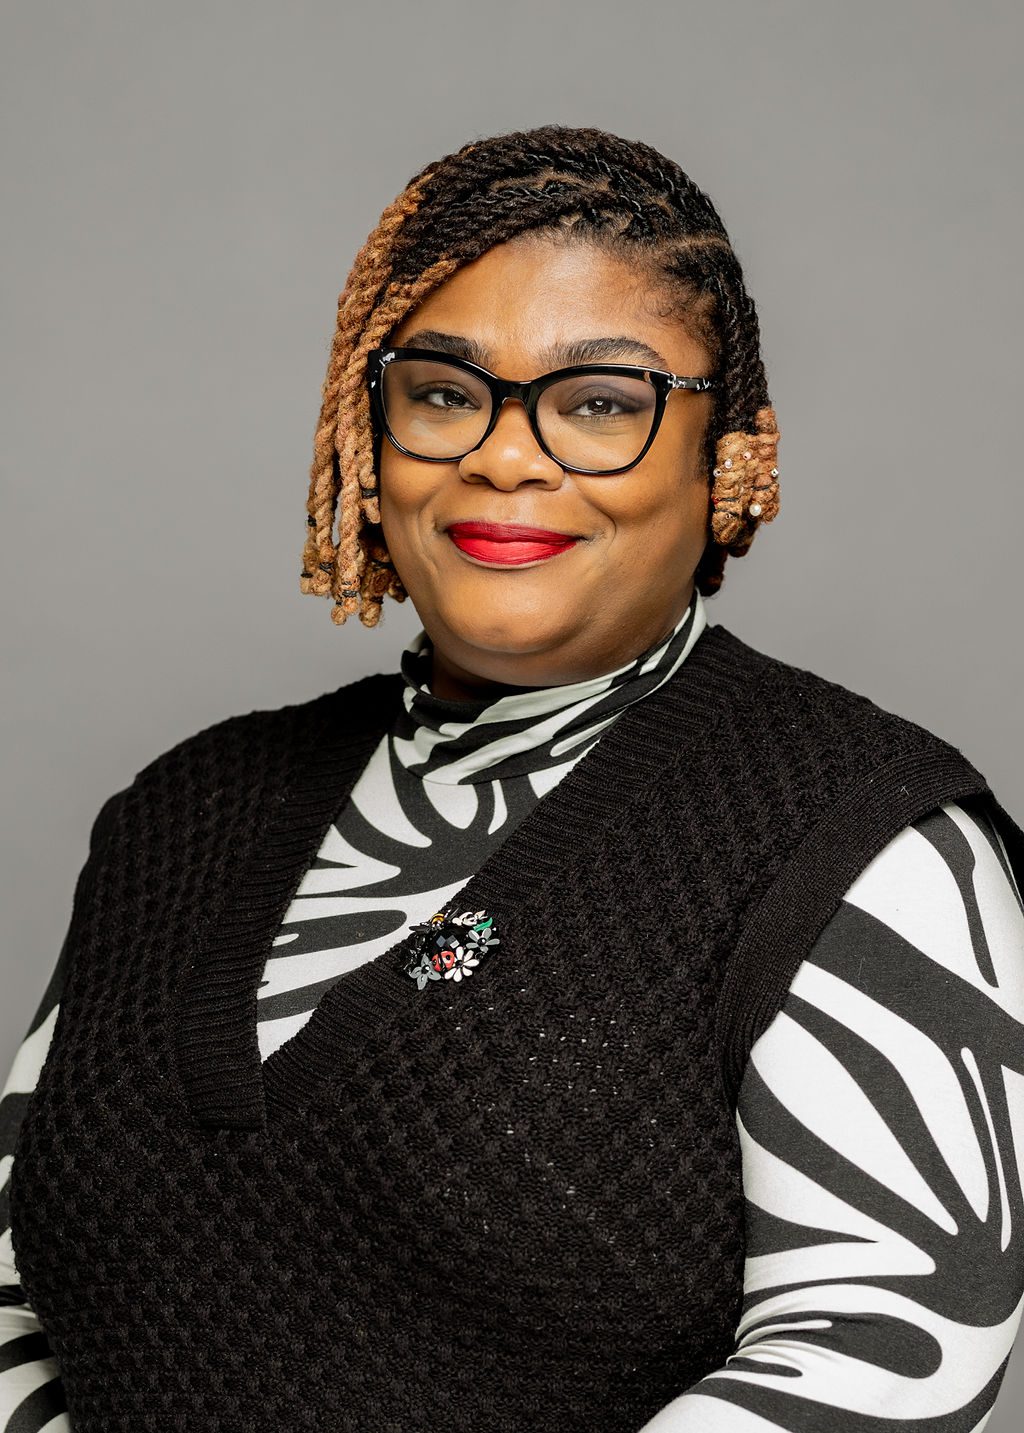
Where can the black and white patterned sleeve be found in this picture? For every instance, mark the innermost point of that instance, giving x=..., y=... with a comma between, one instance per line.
x=881, y=1120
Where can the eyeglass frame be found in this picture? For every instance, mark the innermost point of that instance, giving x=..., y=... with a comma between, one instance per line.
x=529, y=392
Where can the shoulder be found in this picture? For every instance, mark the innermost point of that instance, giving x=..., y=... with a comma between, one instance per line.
x=262, y=731
x=845, y=777
x=233, y=762
x=204, y=800
x=889, y=759
x=857, y=771
x=792, y=701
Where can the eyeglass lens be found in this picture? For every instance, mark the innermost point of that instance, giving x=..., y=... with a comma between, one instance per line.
x=594, y=420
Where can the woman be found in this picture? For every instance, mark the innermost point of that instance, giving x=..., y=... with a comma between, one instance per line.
x=597, y=1024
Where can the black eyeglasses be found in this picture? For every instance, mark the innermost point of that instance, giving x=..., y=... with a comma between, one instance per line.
x=590, y=418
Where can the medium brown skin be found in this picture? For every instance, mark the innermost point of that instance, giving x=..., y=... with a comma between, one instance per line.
x=603, y=601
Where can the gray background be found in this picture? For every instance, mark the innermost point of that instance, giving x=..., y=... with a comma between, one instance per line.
x=185, y=189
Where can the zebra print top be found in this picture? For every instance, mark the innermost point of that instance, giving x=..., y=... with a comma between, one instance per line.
x=881, y=1114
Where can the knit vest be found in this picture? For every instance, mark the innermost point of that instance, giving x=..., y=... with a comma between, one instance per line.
x=502, y=1203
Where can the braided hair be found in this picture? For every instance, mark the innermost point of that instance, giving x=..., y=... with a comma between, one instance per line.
x=588, y=186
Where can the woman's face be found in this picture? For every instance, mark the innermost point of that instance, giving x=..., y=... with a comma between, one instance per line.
x=628, y=580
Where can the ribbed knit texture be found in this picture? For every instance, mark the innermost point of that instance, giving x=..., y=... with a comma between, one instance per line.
x=509, y=1204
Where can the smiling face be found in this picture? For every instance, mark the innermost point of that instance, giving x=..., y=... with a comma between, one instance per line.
x=628, y=579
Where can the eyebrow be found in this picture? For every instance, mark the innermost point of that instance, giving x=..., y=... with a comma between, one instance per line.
x=556, y=355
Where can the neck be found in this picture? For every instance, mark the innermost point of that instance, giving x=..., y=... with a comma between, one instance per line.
x=452, y=682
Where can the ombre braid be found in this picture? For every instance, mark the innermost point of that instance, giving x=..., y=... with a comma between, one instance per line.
x=598, y=188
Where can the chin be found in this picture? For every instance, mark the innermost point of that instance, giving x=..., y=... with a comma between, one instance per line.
x=503, y=631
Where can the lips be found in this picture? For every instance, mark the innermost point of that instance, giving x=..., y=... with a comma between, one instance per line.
x=508, y=544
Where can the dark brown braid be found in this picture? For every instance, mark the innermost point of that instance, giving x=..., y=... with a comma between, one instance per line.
x=591, y=186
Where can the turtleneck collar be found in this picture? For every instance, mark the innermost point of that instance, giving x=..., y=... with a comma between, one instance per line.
x=528, y=730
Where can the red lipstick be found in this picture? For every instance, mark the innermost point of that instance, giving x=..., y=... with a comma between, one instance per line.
x=508, y=544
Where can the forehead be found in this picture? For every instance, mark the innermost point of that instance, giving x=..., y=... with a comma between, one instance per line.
x=523, y=300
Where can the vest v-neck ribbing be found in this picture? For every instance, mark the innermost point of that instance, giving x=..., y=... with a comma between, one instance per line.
x=226, y=1083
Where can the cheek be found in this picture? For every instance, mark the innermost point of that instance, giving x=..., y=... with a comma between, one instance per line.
x=659, y=514
x=397, y=492
x=403, y=494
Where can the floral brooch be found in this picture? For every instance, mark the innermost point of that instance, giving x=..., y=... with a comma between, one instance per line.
x=448, y=947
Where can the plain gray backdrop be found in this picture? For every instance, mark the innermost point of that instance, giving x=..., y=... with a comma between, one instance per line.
x=185, y=188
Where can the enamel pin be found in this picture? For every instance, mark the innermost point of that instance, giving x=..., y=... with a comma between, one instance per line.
x=449, y=947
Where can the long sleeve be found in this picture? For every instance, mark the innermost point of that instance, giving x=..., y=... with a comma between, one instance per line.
x=881, y=1122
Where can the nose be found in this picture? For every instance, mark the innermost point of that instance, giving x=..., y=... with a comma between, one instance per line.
x=511, y=453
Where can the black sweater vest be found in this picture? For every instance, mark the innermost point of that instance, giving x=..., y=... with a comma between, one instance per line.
x=506, y=1203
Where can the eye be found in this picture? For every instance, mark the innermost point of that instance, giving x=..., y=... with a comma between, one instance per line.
x=445, y=396
x=598, y=403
